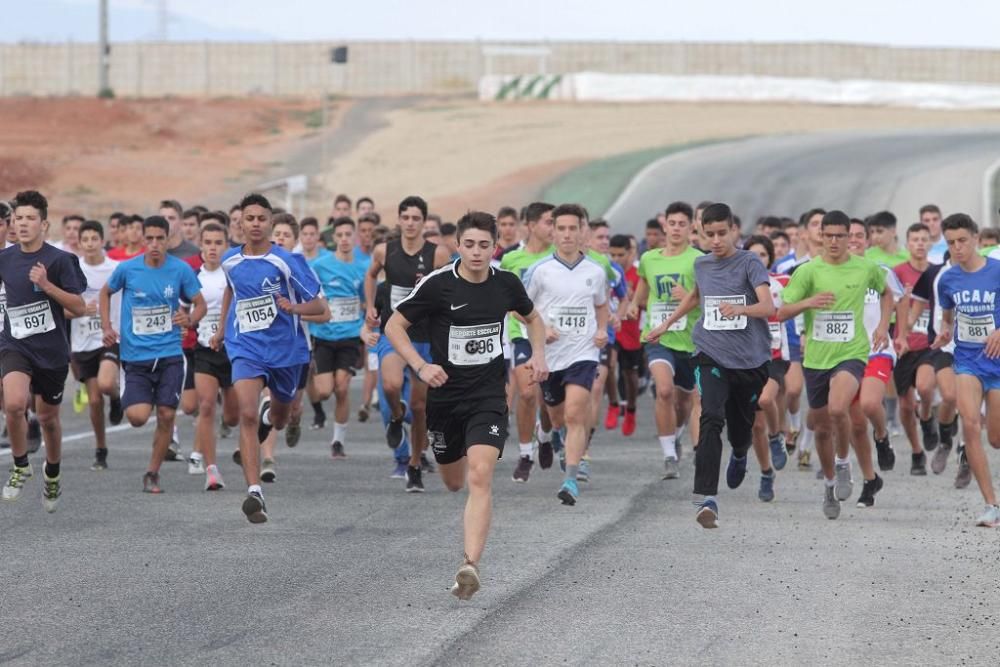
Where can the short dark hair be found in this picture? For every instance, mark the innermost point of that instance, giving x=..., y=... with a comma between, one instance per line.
x=917, y=227
x=214, y=227
x=598, y=223
x=685, y=208
x=930, y=208
x=653, y=223
x=191, y=213
x=989, y=234
x=235, y=207
x=864, y=224
x=117, y=215
x=415, y=201
x=534, y=211
x=34, y=199
x=702, y=205
x=507, y=212
x=717, y=213
x=480, y=220
x=5, y=210
x=882, y=220
x=770, y=221
x=804, y=219
x=620, y=241
x=448, y=229
x=174, y=204
x=779, y=235
x=570, y=209
x=435, y=217
x=309, y=222
x=255, y=199
x=834, y=219
x=340, y=199
x=73, y=216
x=156, y=222
x=788, y=223
x=760, y=239
x=371, y=217
x=93, y=226
x=957, y=221
x=219, y=217
x=343, y=220
x=134, y=218
x=362, y=200
x=286, y=219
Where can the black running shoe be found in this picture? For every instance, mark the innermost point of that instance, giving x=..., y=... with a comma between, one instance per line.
x=337, y=450
x=545, y=455
x=426, y=464
x=263, y=430
x=885, y=453
x=115, y=412
x=930, y=433
x=238, y=458
x=868, y=491
x=100, y=460
x=254, y=508
x=394, y=432
x=414, y=483
x=918, y=465
x=523, y=470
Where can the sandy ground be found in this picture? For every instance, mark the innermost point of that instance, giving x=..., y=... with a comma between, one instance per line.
x=463, y=154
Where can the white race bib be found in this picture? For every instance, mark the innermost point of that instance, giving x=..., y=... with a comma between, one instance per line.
x=922, y=323
x=345, y=309
x=255, y=314
x=569, y=320
x=775, y=328
x=714, y=320
x=660, y=312
x=974, y=329
x=833, y=326
x=474, y=345
x=208, y=327
x=151, y=321
x=397, y=294
x=30, y=319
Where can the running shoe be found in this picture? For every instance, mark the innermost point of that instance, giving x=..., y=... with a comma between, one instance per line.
x=523, y=470
x=868, y=491
x=766, y=490
x=736, y=471
x=400, y=471
x=414, y=480
x=238, y=458
x=34, y=436
x=100, y=460
x=337, y=450
x=779, y=454
x=466, y=581
x=562, y=459
x=293, y=433
x=364, y=413
x=151, y=483
x=929, y=430
x=845, y=483
x=918, y=464
x=263, y=430
x=115, y=412
x=895, y=430
x=940, y=459
x=671, y=470
x=557, y=440
x=885, y=454
x=213, y=479
x=319, y=420
x=628, y=425
x=819, y=472
x=254, y=507
x=426, y=464
x=50, y=491
x=545, y=449
x=15, y=483
x=583, y=470
x=196, y=465
x=831, y=506
x=267, y=472
x=990, y=518
x=964, y=476
x=80, y=399
x=395, y=430
x=174, y=448
x=805, y=462
x=569, y=492
x=611, y=419
x=225, y=430
x=791, y=441
x=708, y=513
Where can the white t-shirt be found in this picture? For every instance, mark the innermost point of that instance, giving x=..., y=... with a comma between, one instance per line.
x=85, y=332
x=213, y=285
x=566, y=297
x=873, y=312
x=935, y=255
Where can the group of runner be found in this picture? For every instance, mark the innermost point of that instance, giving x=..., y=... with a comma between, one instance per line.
x=540, y=312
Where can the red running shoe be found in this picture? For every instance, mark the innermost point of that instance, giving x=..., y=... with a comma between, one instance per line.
x=628, y=426
x=611, y=421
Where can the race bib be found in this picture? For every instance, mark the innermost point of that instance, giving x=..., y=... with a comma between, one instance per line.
x=474, y=345
x=345, y=309
x=208, y=327
x=569, y=320
x=833, y=326
x=30, y=319
x=397, y=294
x=775, y=328
x=714, y=320
x=3, y=302
x=660, y=312
x=151, y=321
x=89, y=324
x=255, y=314
x=974, y=329
x=921, y=326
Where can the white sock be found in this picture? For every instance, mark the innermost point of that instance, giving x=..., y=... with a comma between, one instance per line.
x=680, y=432
x=196, y=456
x=339, y=432
x=795, y=420
x=830, y=482
x=840, y=461
x=266, y=417
x=543, y=436
x=212, y=468
x=526, y=448
x=806, y=442
x=669, y=445
x=176, y=437
x=255, y=488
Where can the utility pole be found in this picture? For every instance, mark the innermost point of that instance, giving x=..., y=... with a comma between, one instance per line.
x=104, y=57
x=162, y=20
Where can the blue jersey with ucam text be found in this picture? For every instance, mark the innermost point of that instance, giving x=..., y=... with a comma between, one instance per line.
x=255, y=327
x=150, y=298
x=343, y=286
x=973, y=298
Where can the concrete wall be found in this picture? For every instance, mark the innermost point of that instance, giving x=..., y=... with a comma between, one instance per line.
x=376, y=68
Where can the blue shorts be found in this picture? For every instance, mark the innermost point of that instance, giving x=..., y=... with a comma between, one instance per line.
x=795, y=353
x=154, y=382
x=283, y=381
x=990, y=382
x=522, y=351
x=582, y=374
x=383, y=347
x=680, y=364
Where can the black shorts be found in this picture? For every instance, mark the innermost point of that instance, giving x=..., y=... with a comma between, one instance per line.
x=818, y=381
x=189, y=369
x=582, y=373
x=777, y=369
x=522, y=351
x=905, y=372
x=629, y=360
x=337, y=355
x=209, y=362
x=454, y=427
x=605, y=358
x=304, y=375
x=942, y=360
x=49, y=383
x=154, y=382
x=88, y=364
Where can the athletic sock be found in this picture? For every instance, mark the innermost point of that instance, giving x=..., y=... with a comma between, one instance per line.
x=807, y=440
x=255, y=488
x=669, y=445
x=630, y=409
x=840, y=461
x=52, y=469
x=196, y=456
x=543, y=436
x=830, y=482
x=709, y=498
x=318, y=409
x=767, y=473
x=21, y=461
x=526, y=448
x=571, y=471
x=946, y=433
x=892, y=409
x=339, y=432
x=795, y=420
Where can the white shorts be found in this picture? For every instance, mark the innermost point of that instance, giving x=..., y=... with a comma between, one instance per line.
x=372, y=361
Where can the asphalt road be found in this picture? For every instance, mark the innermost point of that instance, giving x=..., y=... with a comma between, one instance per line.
x=352, y=570
x=857, y=172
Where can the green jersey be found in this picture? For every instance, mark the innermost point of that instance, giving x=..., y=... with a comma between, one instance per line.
x=605, y=263
x=835, y=334
x=662, y=274
x=985, y=252
x=880, y=256
x=517, y=262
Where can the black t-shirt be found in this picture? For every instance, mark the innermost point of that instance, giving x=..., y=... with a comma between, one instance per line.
x=402, y=273
x=924, y=290
x=465, y=321
x=184, y=250
x=40, y=331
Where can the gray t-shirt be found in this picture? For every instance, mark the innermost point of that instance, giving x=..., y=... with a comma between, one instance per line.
x=740, y=342
x=184, y=250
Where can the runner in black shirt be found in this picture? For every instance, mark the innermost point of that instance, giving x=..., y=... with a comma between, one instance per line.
x=42, y=283
x=464, y=305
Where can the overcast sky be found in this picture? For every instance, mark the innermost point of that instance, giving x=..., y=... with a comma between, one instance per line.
x=969, y=23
